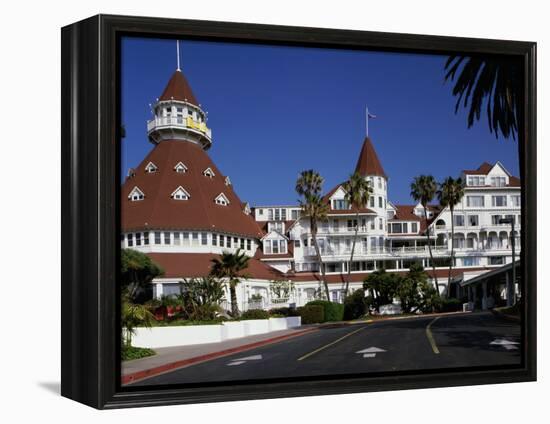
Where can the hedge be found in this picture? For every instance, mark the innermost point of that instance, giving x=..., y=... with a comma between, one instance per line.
x=312, y=314
x=333, y=311
x=450, y=305
x=355, y=305
x=284, y=311
x=254, y=314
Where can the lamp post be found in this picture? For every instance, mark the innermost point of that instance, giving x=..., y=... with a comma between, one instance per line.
x=512, y=221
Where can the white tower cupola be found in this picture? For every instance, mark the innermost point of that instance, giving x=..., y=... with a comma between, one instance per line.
x=178, y=115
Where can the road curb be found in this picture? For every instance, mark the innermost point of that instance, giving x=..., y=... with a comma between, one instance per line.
x=160, y=369
x=506, y=317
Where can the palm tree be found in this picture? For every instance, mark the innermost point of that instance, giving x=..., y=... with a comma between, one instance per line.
x=309, y=185
x=498, y=82
x=358, y=191
x=133, y=315
x=450, y=193
x=231, y=266
x=423, y=189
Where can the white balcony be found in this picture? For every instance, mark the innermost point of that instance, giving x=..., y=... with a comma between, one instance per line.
x=405, y=251
x=178, y=122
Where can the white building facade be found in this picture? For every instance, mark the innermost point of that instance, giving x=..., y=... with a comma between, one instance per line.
x=178, y=208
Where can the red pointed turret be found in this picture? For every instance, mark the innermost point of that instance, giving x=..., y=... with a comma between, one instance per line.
x=178, y=89
x=368, y=162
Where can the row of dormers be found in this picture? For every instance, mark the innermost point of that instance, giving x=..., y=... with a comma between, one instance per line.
x=178, y=194
x=180, y=168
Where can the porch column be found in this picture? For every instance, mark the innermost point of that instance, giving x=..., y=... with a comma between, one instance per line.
x=158, y=290
x=484, y=298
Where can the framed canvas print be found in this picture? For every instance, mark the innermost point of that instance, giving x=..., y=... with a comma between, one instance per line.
x=255, y=211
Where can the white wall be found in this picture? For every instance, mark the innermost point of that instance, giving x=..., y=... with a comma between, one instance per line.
x=31, y=40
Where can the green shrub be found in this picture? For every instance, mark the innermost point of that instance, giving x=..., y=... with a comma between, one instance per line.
x=285, y=312
x=254, y=314
x=450, y=305
x=355, y=305
x=333, y=311
x=312, y=314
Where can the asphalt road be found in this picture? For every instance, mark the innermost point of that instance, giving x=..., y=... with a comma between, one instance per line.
x=476, y=339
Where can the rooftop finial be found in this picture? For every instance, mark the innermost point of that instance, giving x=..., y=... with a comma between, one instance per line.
x=178, y=54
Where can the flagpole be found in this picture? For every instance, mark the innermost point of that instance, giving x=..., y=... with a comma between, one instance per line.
x=367, y=120
x=178, y=53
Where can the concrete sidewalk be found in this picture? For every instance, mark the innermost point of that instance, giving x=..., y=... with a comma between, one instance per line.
x=170, y=358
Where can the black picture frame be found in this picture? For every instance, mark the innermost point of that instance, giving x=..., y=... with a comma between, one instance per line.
x=90, y=208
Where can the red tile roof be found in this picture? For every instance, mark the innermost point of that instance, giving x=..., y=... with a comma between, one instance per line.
x=189, y=265
x=159, y=211
x=483, y=169
x=405, y=213
x=360, y=277
x=178, y=89
x=368, y=162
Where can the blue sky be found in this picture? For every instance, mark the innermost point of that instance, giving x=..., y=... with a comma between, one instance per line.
x=275, y=111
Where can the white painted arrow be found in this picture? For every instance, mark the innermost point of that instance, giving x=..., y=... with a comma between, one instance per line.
x=370, y=352
x=250, y=358
x=241, y=361
x=506, y=344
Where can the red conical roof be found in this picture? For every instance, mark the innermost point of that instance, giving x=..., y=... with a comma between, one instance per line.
x=368, y=162
x=158, y=210
x=178, y=89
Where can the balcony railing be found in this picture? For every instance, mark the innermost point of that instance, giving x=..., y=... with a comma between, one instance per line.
x=377, y=251
x=404, y=251
x=179, y=121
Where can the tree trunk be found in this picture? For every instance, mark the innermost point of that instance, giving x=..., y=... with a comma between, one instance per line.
x=234, y=305
x=351, y=256
x=319, y=259
x=452, y=251
x=430, y=249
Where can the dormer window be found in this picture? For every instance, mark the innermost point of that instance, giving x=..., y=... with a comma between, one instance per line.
x=227, y=181
x=180, y=168
x=151, y=168
x=340, y=204
x=498, y=181
x=208, y=173
x=476, y=180
x=180, y=194
x=221, y=200
x=136, y=194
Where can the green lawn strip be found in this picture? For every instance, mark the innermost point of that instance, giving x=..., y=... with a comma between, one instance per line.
x=130, y=352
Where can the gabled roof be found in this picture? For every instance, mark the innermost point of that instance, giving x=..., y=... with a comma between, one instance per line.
x=368, y=162
x=178, y=89
x=486, y=167
x=352, y=210
x=159, y=211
